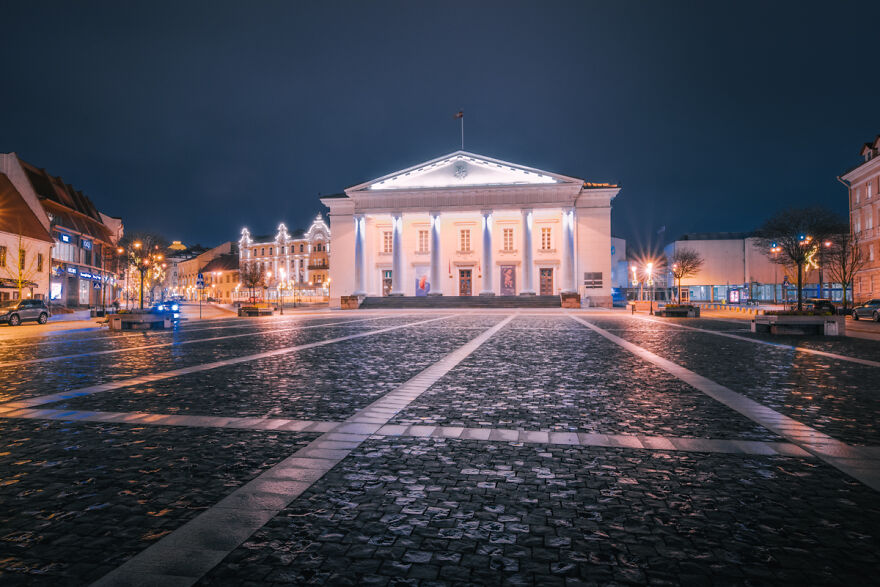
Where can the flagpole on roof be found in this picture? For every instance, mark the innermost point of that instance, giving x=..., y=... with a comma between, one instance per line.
x=460, y=116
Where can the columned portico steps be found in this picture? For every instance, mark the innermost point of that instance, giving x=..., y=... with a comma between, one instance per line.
x=461, y=302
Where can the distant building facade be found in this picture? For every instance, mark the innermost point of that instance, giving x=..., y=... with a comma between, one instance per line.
x=221, y=277
x=188, y=271
x=864, y=212
x=289, y=261
x=83, y=268
x=465, y=224
x=736, y=269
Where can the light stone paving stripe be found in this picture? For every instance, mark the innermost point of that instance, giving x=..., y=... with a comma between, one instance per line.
x=350, y=431
x=838, y=454
x=179, y=343
x=748, y=447
x=185, y=555
x=55, y=397
x=787, y=347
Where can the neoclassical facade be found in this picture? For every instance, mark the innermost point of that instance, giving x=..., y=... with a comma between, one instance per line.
x=296, y=260
x=464, y=224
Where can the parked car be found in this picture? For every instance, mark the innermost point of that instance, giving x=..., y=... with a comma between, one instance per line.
x=870, y=309
x=820, y=305
x=14, y=312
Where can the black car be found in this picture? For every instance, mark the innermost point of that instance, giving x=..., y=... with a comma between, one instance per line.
x=170, y=309
x=820, y=305
x=14, y=312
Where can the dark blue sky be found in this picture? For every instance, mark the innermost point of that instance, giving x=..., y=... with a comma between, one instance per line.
x=194, y=119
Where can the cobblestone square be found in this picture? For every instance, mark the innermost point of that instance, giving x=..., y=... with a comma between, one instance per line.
x=439, y=448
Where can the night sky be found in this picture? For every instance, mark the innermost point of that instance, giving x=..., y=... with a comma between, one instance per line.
x=193, y=119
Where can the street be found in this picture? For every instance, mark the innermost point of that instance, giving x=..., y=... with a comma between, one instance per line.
x=439, y=447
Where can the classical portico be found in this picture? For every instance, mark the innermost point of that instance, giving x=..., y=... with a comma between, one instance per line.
x=465, y=224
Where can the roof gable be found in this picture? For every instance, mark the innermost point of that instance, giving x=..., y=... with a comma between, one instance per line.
x=462, y=169
x=17, y=216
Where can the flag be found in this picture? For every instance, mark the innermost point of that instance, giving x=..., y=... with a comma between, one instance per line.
x=460, y=114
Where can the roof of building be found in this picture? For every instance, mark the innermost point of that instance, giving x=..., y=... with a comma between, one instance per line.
x=16, y=217
x=225, y=262
x=69, y=207
x=715, y=236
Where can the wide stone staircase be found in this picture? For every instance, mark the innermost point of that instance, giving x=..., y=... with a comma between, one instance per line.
x=405, y=302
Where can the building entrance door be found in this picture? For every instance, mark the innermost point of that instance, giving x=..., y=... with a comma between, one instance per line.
x=386, y=283
x=464, y=282
x=546, y=282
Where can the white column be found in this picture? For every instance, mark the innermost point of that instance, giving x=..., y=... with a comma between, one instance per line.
x=436, y=270
x=488, y=270
x=396, y=254
x=359, y=255
x=569, y=281
x=528, y=286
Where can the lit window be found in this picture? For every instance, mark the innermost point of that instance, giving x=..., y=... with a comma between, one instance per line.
x=869, y=190
x=858, y=223
x=546, y=239
x=858, y=195
x=508, y=239
x=465, y=244
x=387, y=242
x=424, y=239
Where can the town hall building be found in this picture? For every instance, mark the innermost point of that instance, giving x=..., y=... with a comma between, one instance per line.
x=465, y=224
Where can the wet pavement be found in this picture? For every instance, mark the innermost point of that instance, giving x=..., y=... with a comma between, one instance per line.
x=439, y=448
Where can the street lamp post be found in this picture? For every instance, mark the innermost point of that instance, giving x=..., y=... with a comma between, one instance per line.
x=281, y=292
x=649, y=269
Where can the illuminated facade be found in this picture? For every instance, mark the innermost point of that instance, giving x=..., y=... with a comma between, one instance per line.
x=290, y=261
x=864, y=207
x=465, y=224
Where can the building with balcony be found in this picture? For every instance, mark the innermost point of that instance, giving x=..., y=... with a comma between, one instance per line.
x=863, y=184
x=297, y=261
x=84, y=266
x=465, y=224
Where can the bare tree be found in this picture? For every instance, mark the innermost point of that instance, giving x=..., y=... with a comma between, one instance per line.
x=793, y=236
x=844, y=258
x=685, y=263
x=251, y=276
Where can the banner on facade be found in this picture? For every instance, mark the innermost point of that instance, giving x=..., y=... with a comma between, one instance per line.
x=508, y=280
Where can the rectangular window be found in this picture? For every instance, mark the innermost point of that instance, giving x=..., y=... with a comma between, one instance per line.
x=301, y=248
x=465, y=241
x=262, y=251
x=508, y=240
x=869, y=190
x=2, y=256
x=39, y=261
x=387, y=242
x=593, y=280
x=869, y=221
x=871, y=253
x=424, y=239
x=282, y=250
x=858, y=195
x=858, y=223
x=546, y=239
x=270, y=251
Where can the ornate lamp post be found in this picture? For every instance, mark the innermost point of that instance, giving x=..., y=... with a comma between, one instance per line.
x=649, y=270
x=281, y=292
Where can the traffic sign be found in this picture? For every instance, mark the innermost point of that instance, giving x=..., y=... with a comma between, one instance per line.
x=200, y=281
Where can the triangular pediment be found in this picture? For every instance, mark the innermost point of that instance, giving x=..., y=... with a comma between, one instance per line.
x=464, y=170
